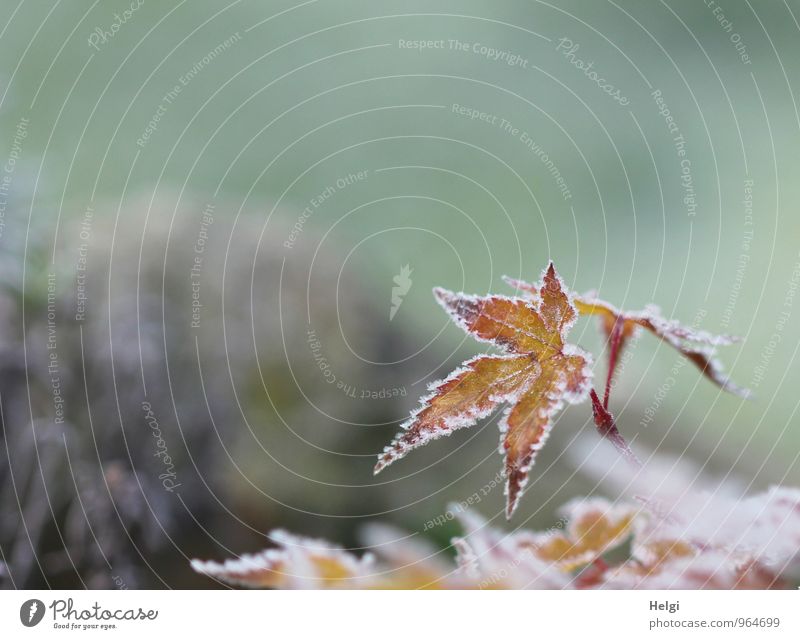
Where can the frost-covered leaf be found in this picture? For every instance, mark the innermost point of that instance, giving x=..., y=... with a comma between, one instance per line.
x=764, y=527
x=537, y=372
x=688, y=511
x=707, y=570
x=697, y=346
x=651, y=553
x=394, y=560
x=297, y=563
x=595, y=527
x=756, y=546
x=493, y=559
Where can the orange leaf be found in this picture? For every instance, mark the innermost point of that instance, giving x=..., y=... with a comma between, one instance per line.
x=536, y=374
x=297, y=563
x=596, y=526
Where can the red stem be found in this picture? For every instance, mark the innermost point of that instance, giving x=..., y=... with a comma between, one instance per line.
x=615, y=338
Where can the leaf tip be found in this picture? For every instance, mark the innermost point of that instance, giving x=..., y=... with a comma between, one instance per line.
x=516, y=478
x=443, y=296
x=384, y=459
x=739, y=391
x=511, y=506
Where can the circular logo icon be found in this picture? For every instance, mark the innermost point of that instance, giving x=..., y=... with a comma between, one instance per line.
x=31, y=612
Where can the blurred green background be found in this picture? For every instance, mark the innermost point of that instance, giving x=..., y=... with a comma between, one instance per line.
x=279, y=107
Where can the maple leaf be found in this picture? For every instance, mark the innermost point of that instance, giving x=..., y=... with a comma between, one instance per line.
x=397, y=560
x=747, y=543
x=297, y=563
x=595, y=527
x=533, y=377
x=491, y=558
x=620, y=326
x=707, y=570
